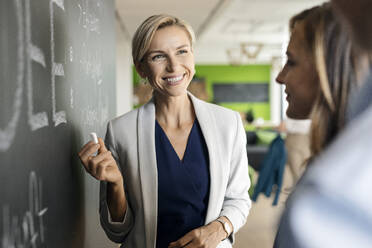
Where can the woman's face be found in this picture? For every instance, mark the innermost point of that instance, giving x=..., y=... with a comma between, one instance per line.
x=299, y=76
x=169, y=63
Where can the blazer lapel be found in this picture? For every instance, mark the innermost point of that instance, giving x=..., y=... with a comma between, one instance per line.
x=209, y=130
x=148, y=169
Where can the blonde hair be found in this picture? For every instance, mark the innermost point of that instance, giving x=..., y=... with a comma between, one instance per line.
x=335, y=61
x=145, y=32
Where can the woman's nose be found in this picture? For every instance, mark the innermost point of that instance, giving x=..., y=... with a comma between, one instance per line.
x=280, y=78
x=172, y=63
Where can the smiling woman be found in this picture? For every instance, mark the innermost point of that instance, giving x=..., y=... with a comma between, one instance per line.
x=301, y=91
x=169, y=62
x=320, y=73
x=175, y=171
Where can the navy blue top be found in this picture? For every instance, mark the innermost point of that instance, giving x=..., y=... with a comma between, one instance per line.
x=183, y=185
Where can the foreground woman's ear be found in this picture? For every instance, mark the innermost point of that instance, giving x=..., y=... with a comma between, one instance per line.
x=140, y=70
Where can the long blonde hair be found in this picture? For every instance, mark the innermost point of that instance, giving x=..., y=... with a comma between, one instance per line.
x=335, y=62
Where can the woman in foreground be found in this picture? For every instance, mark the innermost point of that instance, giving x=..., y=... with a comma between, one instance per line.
x=175, y=171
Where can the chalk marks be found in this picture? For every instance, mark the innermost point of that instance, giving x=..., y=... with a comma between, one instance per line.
x=88, y=17
x=71, y=54
x=7, y=134
x=34, y=54
x=89, y=116
x=103, y=104
x=59, y=3
x=35, y=202
x=24, y=68
x=57, y=68
x=32, y=58
x=29, y=230
x=91, y=64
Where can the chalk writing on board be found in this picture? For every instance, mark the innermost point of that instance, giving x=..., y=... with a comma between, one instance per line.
x=57, y=68
x=88, y=16
x=7, y=134
x=34, y=54
x=71, y=54
x=91, y=63
x=29, y=230
x=90, y=116
x=31, y=54
x=103, y=103
x=89, y=19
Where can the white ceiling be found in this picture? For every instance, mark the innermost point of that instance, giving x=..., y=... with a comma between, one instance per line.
x=222, y=25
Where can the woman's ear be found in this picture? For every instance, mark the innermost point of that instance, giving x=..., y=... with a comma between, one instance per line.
x=141, y=70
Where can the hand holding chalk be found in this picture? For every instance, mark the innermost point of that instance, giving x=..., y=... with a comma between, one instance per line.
x=99, y=162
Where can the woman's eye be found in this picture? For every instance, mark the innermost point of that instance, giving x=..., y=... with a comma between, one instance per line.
x=290, y=62
x=182, y=51
x=158, y=57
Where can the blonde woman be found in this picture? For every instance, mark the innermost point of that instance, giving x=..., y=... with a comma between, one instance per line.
x=320, y=73
x=175, y=171
x=328, y=209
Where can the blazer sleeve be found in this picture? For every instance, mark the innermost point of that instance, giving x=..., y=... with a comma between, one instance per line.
x=116, y=231
x=236, y=203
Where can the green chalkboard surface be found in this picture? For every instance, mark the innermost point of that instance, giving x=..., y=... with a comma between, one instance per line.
x=240, y=92
x=57, y=84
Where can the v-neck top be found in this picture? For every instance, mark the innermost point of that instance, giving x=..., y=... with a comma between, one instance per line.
x=183, y=185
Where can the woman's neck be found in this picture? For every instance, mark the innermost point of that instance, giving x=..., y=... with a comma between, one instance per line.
x=174, y=112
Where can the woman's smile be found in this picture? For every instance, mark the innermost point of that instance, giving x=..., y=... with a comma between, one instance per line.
x=174, y=80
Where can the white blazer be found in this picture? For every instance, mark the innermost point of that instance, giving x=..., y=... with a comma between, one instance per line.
x=131, y=139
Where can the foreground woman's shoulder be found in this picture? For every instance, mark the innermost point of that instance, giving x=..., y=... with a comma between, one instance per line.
x=127, y=118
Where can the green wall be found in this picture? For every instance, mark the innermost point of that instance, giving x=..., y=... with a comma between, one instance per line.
x=234, y=74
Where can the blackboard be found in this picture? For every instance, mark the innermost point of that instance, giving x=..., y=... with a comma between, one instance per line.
x=240, y=92
x=57, y=75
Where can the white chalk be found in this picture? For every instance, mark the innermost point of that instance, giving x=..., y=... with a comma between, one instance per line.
x=93, y=137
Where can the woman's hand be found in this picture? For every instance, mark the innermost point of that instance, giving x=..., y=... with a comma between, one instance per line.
x=103, y=167
x=208, y=236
